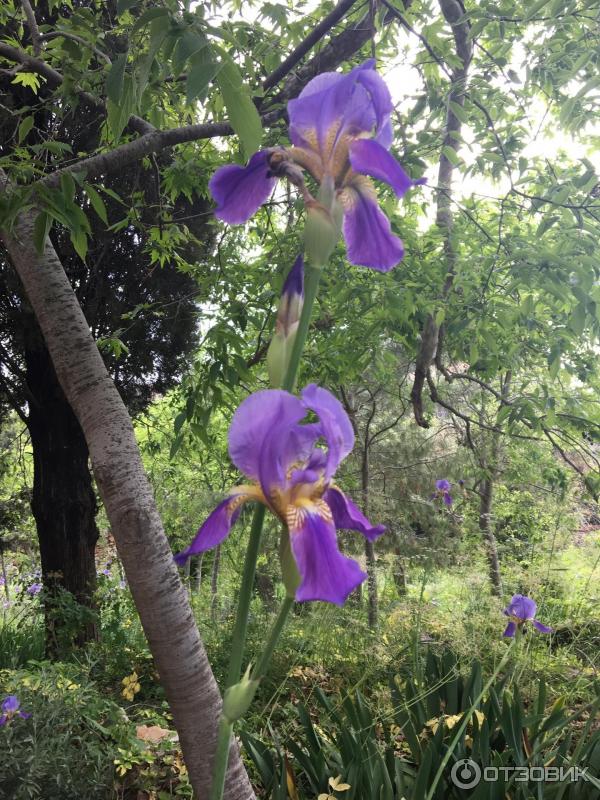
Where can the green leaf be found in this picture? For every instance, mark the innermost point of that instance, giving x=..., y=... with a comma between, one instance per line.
x=119, y=113
x=188, y=44
x=451, y=155
x=79, y=242
x=41, y=229
x=545, y=225
x=29, y=79
x=241, y=111
x=458, y=111
x=535, y=8
x=125, y=5
x=97, y=203
x=148, y=16
x=114, y=80
x=24, y=128
x=199, y=76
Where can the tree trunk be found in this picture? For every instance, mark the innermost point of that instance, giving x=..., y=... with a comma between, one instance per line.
x=373, y=604
x=158, y=593
x=63, y=500
x=399, y=572
x=486, y=527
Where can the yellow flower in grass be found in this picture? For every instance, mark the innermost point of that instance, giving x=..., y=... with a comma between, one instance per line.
x=131, y=686
x=336, y=785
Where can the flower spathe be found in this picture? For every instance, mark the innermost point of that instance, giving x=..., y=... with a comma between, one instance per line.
x=341, y=135
x=522, y=609
x=11, y=708
x=293, y=477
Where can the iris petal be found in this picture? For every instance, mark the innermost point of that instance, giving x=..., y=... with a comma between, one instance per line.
x=255, y=421
x=348, y=516
x=241, y=191
x=369, y=158
x=541, y=627
x=326, y=573
x=333, y=104
x=367, y=230
x=510, y=629
x=522, y=607
x=334, y=424
x=217, y=525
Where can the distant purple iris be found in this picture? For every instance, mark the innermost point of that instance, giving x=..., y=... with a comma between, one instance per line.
x=521, y=609
x=35, y=588
x=341, y=132
x=10, y=708
x=294, y=479
x=442, y=489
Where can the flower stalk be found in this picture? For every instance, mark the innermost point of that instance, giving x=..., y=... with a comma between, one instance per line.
x=311, y=285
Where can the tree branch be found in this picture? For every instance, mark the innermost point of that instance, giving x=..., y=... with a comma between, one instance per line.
x=305, y=46
x=430, y=340
x=34, y=31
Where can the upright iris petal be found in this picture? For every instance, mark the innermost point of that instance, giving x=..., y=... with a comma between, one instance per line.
x=292, y=474
x=341, y=131
x=10, y=708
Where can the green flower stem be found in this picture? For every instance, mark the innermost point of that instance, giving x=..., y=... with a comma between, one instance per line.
x=262, y=666
x=312, y=277
x=221, y=759
x=241, y=620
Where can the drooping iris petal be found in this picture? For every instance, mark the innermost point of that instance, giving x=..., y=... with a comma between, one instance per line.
x=522, y=607
x=369, y=158
x=241, y=191
x=447, y=498
x=335, y=426
x=3, y=720
x=326, y=573
x=510, y=629
x=218, y=524
x=255, y=420
x=348, y=516
x=367, y=231
x=541, y=627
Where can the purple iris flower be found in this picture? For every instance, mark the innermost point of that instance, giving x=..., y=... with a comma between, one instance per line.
x=10, y=708
x=442, y=488
x=35, y=588
x=521, y=609
x=293, y=477
x=341, y=133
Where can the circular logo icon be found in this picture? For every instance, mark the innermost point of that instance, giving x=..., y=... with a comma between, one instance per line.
x=465, y=773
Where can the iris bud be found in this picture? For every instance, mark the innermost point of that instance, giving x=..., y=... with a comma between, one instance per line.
x=238, y=698
x=322, y=231
x=286, y=326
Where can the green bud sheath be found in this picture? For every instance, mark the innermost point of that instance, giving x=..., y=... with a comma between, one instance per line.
x=238, y=698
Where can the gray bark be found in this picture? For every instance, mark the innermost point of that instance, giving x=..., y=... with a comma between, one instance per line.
x=159, y=596
x=486, y=528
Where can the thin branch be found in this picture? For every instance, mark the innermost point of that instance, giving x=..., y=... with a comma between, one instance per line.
x=305, y=46
x=34, y=31
x=65, y=35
